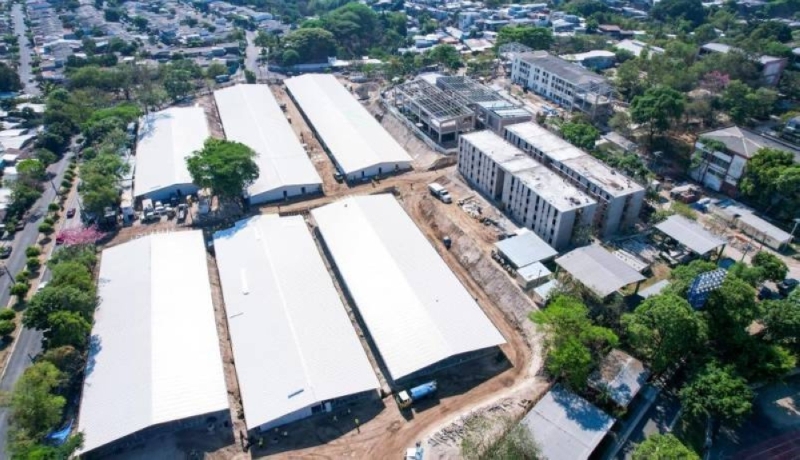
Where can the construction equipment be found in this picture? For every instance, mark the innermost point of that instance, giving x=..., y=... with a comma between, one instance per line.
x=408, y=397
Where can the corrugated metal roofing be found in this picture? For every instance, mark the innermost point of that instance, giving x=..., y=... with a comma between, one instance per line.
x=525, y=249
x=251, y=115
x=292, y=339
x=690, y=234
x=155, y=355
x=166, y=138
x=566, y=426
x=416, y=310
x=598, y=269
x=350, y=132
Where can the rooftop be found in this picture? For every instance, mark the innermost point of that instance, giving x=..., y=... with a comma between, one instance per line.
x=636, y=47
x=566, y=426
x=166, y=138
x=621, y=375
x=746, y=143
x=155, y=354
x=525, y=249
x=417, y=312
x=355, y=139
x=603, y=176
x=598, y=269
x=545, y=141
x=690, y=234
x=284, y=313
x=548, y=185
x=566, y=70
x=251, y=115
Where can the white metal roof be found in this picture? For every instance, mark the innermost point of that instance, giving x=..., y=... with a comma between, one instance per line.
x=525, y=249
x=690, y=234
x=292, y=339
x=251, y=115
x=416, y=310
x=166, y=138
x=598, y=269
x=155, y=353
x=350, y=132
x=566, y=426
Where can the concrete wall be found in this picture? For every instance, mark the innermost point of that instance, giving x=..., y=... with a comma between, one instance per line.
x=283, y=193
x=164, y=194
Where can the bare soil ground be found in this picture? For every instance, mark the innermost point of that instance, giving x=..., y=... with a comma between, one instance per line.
x=319, y=157
x=212, y=115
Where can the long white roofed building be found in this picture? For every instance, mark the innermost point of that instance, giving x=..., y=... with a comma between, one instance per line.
x=295, y=348
x=418, y=314
x=166, y=139
x=251, y=115
x=154, y=360
x=358, y=144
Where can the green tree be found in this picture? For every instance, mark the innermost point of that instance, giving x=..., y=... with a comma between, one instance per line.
x=67, y=328
x=52, y=299
x=7, y=327
x=772, y=180
x=658, y=107
x=249, y=76
x=446, y=55
x=717, y=392
x=538, y=38
x=71, y=273
x=31, y=171
x=310, y=45
x=731, y=309
x=34, y=409
x=45, y=156
x=774, y=268
x=20, y=289
x=216, y=69
x=9, y=79
x=226, y=168
x=675, y=10
x=663, y=447
x=580, y=134
x=782, y=320
x=355, y=27
x=177, y=84
x=665, y=330
x=571, y=338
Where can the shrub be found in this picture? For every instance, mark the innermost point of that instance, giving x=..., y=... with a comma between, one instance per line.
x=46, y=228
x=49, y=220
x=23, y=276
x=7, y=327
x=20, y=289
x=7, y=314
x=53, y=207
x=33, y=263
x=66, y=184
x=32, y=251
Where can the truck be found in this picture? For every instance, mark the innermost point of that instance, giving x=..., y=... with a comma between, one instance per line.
x=147, y=209
x=440, y=192
x=408, y=397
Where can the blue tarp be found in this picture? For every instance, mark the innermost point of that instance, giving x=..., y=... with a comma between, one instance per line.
x=58, y=437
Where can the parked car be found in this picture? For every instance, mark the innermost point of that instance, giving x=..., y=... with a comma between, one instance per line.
x=5, y=252
x=70, y=213
x=20, y=226
x=788, y=285
x=41, y=286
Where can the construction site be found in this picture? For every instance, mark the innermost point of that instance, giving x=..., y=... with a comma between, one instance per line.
x=496, y=385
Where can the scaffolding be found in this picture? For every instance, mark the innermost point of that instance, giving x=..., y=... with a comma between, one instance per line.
x=492, y=109
x=435, y=112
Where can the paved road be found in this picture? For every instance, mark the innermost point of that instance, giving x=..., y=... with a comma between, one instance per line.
x=25, y=52
x=29, y=342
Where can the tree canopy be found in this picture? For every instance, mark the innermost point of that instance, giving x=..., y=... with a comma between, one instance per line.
x=663, y=447
x=658, y=107
x=9, y=79
x=575, y=345
x=665, y=330
x=580, y=134
x=717, y=392
x=538, y=38
x=772, y=180
x=226, y=168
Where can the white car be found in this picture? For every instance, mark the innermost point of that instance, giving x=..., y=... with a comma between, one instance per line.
x=41, y=286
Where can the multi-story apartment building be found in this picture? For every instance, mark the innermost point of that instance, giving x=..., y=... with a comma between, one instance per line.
x=528, y=192
x=568, y=85
x=619, y=198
